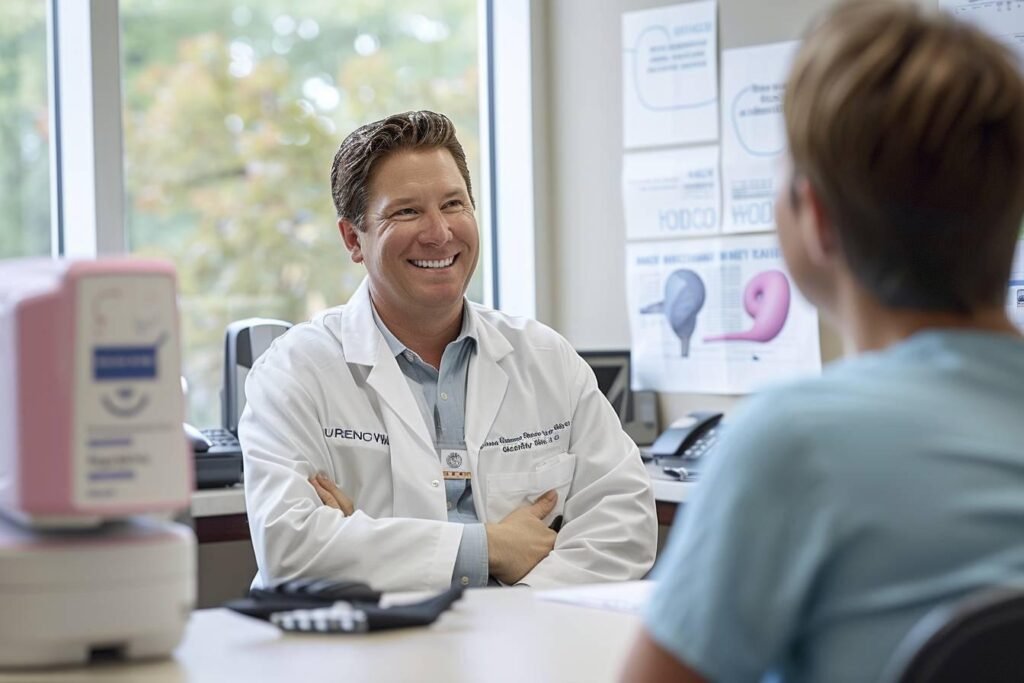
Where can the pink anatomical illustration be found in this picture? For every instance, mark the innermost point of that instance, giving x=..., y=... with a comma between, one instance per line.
x=766, y=299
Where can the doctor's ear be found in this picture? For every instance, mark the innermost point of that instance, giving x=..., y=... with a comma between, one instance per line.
x=350, y=235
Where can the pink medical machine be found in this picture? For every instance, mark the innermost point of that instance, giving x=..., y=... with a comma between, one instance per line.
x=93, y=463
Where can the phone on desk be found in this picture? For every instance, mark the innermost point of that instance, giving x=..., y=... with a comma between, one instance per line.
x=681, y=448
x=218, y=455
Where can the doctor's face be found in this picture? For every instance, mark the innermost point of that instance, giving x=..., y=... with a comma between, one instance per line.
x=420, y=243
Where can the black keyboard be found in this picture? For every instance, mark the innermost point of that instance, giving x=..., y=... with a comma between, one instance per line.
x=221, y=465
x=221, y=440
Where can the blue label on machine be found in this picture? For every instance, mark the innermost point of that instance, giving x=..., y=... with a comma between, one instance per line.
x=124, y=362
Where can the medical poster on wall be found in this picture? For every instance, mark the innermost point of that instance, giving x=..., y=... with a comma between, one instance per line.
x=717, y=315
x=753, y=134
x=670, y=75
x=1002, y=19
x=1015, y=297
x=671, y=193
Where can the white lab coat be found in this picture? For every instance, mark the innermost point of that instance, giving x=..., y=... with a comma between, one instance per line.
x=329, y=396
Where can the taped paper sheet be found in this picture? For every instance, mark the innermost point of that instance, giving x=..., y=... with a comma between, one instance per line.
x=670, y=75
x=671, y=193
x=753, y=134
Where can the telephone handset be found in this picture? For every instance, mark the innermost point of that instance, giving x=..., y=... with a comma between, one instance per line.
x=688, y=439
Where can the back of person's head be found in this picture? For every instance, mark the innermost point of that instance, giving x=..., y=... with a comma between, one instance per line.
x=909, y=126
x=359, y=153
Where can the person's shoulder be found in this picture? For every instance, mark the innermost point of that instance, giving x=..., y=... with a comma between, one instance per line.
x=308, y=341
x=792, y=422
x=519, y=329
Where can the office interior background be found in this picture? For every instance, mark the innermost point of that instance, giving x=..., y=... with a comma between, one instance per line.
x=202, y=132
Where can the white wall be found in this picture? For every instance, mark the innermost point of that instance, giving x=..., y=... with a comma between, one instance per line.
x=585, y=231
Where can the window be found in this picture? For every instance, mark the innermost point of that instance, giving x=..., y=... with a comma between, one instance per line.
x=232, y=114
x=24, y=130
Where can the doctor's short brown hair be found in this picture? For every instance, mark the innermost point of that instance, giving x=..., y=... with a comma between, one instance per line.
x=910, y=127
x=364, y=147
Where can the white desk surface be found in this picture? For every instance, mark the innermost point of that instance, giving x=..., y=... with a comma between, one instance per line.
x=492, y=634
x=231, y=500
x=216, y=502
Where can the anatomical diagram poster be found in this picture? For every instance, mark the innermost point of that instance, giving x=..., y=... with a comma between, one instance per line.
x=719, y=315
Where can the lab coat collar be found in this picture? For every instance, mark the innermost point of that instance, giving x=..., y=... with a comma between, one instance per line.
x=487, y=382
x=397, y=347
x=360, y=337
x=364, y=344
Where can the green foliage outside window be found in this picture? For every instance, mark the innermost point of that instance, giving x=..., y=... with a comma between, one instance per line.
x=24, y=130
x=233, y=112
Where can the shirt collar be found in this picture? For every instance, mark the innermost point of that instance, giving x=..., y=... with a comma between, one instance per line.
x=395, y=345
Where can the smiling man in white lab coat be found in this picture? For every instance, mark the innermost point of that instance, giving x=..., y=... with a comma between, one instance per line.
x=411, y=439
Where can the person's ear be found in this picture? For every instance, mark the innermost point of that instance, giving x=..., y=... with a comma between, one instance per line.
x=816, y=229
x=350, y=235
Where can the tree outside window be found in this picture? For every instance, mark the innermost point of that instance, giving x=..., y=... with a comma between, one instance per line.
x=233, y=112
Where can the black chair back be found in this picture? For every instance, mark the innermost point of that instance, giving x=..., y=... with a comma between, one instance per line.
x=977, y=640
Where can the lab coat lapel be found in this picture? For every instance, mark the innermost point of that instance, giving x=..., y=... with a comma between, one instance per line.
x=364, y=344
x=487, y=384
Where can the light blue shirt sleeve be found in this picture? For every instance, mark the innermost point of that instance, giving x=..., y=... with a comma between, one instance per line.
x=471, y=562
x=741, y=562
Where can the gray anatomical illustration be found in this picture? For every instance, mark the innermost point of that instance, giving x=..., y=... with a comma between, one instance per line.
x=684, y=297
x=766, y=299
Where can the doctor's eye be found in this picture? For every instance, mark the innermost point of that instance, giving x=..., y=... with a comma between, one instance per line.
x=453, y=205
x=407, y=212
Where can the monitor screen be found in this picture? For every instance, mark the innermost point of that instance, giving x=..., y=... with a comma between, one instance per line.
x=612, y=371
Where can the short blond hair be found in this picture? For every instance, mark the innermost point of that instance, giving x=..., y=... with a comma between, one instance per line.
x=910, y=126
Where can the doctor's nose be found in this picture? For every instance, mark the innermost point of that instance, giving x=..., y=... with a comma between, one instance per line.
x=436, y=230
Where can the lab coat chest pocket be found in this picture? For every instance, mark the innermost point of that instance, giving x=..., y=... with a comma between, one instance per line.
x=507, y=491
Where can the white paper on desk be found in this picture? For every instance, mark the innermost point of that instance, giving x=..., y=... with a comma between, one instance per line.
x=1015, y=297
x=671, y=193
x=670, y=75
x=753, y=134
x=621, y=596
x=1002, y=19
x=717, y=315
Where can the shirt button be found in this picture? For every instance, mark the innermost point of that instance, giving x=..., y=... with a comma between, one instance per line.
x=444, y=396
x=450, y=505
x=435, y=483
x=464, y=580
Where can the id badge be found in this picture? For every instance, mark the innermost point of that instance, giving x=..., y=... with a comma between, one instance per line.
x=455, y=464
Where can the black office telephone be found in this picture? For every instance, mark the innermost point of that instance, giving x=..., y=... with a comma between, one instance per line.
x=688, y=441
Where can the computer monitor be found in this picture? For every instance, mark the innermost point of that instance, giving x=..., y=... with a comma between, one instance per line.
x=637, y=410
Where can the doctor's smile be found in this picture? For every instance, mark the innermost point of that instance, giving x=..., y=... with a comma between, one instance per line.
x=435, y=265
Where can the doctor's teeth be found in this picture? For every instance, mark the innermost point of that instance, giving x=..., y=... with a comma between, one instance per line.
x=444, y=263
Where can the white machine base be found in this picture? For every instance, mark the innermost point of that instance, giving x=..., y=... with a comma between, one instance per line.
x=122, y=591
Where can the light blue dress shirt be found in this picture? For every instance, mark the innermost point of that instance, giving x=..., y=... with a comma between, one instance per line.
x=836, y=512
x=441, y=396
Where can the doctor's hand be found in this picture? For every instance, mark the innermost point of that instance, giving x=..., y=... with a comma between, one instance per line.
x=331, y=495
x=517, y=543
